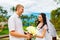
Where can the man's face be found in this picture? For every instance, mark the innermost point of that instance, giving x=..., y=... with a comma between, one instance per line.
x=20, y=10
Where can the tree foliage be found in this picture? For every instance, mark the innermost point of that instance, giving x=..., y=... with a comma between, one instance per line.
x=55, y=17
x=3, y=14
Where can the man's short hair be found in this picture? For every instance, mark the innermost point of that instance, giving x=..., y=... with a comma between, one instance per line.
x=19, y=5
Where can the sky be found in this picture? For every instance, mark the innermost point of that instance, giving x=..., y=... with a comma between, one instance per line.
x=30, y=5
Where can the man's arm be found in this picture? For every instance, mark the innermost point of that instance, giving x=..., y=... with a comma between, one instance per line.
x=16, y=34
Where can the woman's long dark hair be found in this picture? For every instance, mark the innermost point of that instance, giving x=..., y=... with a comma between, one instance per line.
x=44, y=20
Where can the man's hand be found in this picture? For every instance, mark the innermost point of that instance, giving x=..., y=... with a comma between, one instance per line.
x=28, y=36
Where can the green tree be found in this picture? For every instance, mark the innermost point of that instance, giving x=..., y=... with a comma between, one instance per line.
x=24, y=19
x=3, y=14
x=13, y=8
x=55, y=17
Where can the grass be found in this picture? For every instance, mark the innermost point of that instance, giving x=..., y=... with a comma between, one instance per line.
x=24, y=28
x=4, y=31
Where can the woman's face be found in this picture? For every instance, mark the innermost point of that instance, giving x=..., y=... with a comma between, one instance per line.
x=40, y=18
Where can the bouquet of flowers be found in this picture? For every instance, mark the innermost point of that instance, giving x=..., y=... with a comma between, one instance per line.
x=32, y=30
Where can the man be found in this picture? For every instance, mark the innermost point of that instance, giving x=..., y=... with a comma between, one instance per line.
x=15, y=25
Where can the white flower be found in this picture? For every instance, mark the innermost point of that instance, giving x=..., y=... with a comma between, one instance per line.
x=32, y=30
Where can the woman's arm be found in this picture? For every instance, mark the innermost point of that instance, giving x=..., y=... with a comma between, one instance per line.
x=42, y=34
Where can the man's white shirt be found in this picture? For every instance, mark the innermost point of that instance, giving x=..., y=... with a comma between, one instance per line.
x=15, y=23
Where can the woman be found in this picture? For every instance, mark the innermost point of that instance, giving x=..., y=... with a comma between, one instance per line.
x=42, y=27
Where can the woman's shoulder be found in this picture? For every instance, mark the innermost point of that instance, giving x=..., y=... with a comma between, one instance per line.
x=45, y=26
